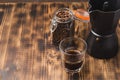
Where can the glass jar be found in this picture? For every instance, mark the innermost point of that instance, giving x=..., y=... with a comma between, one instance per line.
x=62, y=25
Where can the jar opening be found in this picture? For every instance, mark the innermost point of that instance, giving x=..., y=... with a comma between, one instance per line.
x=64, y=15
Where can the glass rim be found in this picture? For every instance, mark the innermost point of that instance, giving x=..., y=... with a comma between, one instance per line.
x=73, y=38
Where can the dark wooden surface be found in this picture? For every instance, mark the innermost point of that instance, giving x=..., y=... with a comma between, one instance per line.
x=26, y=50
x=41, y=1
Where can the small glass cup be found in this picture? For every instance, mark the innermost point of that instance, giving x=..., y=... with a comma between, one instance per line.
x=73, y=54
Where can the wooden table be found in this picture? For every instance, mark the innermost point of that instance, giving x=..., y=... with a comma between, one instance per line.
x=26, y=50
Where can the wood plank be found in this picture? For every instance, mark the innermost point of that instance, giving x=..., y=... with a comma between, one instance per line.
x=5, y=29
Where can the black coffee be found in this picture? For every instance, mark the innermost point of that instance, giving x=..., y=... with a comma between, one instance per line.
x=73, y=66
x=74, y=60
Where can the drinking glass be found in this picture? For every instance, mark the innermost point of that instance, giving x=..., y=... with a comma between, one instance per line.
x=73, y=54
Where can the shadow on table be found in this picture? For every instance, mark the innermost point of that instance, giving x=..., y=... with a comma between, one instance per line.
x=75, y=76
x=82, y=75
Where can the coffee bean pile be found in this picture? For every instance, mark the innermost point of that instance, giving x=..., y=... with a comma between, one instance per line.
x=64, y=15
x=62, y=31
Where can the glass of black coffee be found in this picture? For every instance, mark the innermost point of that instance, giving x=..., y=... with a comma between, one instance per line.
x=73, y=53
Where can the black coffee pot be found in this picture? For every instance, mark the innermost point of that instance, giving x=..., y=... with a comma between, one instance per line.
x=102, y=40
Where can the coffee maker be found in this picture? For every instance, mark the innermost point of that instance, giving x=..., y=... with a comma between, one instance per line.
x=102, y=40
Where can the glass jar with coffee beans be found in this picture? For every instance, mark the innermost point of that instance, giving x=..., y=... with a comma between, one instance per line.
x=62, y=25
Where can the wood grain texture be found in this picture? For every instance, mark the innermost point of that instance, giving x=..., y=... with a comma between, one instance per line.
x=4, y=1
x=26, y=50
